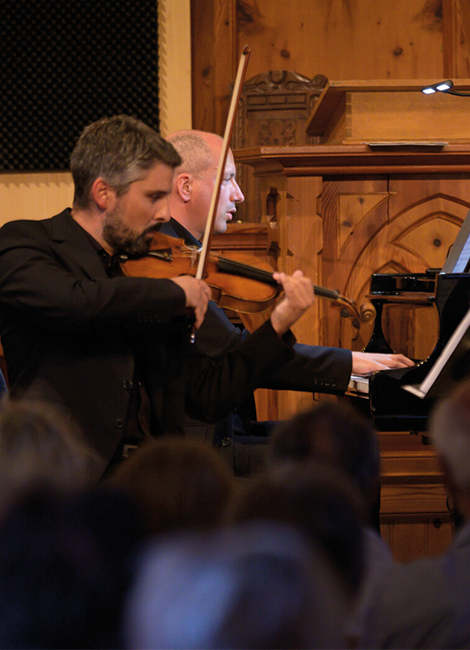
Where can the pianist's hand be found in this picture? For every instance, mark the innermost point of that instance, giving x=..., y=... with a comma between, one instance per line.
x=363, y=363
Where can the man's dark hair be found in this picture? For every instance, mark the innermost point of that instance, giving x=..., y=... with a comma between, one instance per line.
x=119, y=149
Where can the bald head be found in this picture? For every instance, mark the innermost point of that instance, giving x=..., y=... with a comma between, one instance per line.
x=194, y=182
x=199, y=150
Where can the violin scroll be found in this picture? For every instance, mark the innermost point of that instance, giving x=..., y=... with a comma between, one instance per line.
x=364, y=314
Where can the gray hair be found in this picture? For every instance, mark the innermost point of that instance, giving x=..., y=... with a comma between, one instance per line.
x=450, y=432
x=196, y=154
x=120, y=150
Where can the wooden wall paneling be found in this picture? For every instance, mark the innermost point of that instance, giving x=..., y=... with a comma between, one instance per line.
x=415, y=537
x=295, y=240
x=456, y=38
x=393, y=220
x=354, y=210
x=408, y=39
x=174, y=66
x=303, y=246
x=359, y=40
x=214, y=56
x=425, y=216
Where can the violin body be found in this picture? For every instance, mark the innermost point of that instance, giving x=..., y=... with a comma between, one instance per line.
x=170, y=257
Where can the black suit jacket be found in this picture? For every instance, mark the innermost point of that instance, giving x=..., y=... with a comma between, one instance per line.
x=310, y=368
x=67, y=329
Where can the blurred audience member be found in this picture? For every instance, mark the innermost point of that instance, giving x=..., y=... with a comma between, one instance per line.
x=317, y=500
x=426, y=603
x=39, y=443
x=254, y=586
x=65, y=568
x=336, y=434
x=178, y=483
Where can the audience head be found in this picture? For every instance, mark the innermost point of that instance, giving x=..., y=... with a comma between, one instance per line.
x=119, y=149
x=449, y=429
x=253, y=586
x=65, y=568
x=320, y=502
x=178, y=483
x=332, y=433
x=40, y=443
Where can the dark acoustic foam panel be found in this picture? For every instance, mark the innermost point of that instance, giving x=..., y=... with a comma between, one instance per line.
x=67, y=63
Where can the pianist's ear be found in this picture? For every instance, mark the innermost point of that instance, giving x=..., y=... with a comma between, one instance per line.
x=184, y=186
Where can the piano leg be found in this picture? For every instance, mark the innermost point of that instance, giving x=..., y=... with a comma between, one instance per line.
x=377, y=341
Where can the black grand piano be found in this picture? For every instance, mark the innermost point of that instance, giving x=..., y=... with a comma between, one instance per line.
x=391, y=406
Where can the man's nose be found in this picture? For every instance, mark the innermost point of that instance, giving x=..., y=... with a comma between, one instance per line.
x=237, y=194
x=163, y=212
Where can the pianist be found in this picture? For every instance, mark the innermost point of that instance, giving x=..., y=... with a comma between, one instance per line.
x=313, y=369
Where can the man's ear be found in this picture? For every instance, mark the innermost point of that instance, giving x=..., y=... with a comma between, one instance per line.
x=103, y=194
x=184, y=186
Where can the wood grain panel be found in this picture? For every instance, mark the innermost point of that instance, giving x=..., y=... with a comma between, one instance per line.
x=348, y=227
x=295, y=235
x=345, y=40
x=406, y=39
x=413, y=537
x=456, y=37
x=214, y=59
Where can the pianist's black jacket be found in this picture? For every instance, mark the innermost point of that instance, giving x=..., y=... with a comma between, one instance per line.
x=315, y=369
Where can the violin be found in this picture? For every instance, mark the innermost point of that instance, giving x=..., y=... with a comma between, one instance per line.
x=239, y=281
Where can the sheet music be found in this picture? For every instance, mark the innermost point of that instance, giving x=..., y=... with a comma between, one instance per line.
x=459, y=255
x=464, y=257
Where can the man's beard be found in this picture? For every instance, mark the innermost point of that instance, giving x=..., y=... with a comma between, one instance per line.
x=121, y=238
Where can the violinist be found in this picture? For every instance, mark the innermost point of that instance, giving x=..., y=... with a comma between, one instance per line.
x=110, y=350
x=310, y=369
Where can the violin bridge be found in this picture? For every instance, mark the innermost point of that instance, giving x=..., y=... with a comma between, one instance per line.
x=193, y=256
